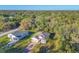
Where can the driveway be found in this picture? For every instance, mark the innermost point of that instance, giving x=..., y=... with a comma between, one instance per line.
x=11, y=31
x=29, y=47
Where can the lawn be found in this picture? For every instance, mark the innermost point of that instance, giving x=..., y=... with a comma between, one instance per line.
x=17, y=47
x=3, y=41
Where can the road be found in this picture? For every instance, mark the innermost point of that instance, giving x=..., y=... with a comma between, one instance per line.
x=11, y=31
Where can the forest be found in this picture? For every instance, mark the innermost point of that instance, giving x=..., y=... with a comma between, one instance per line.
x=64, y=25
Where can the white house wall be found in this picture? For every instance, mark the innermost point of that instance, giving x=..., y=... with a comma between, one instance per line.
x=35, y=40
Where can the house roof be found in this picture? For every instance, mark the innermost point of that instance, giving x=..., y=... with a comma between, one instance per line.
x=44, y=35
x=19, y=33
x=41, y=36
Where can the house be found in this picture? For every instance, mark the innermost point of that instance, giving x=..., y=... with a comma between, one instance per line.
x=40, y=38
x=11, y=43
x=18, y=35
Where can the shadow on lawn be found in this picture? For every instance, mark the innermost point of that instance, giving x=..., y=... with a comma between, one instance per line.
x=14, y=50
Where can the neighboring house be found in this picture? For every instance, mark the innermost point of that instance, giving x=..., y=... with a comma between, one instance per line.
x=16, y=36
x=40, y=38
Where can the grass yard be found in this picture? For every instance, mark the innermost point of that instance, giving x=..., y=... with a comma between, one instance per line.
x=17, y=47
x=3, y=41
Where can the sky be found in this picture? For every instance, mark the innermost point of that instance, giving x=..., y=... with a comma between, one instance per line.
x=39, y=7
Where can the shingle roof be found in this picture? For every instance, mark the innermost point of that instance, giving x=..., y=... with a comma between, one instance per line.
x=19, y=33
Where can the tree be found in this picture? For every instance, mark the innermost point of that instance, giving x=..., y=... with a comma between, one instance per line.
x=24, y=24
x=1, y=25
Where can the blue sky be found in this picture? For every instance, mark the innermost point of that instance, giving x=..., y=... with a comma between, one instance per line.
x=39, y=7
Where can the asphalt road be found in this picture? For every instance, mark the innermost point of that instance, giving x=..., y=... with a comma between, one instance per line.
x=11, y=31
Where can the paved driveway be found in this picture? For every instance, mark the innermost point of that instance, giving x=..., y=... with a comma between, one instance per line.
x=11, y=31
x=29, y=47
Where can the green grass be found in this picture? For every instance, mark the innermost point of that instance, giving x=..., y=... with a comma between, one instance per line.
x=19, y=46
x=4, y=40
